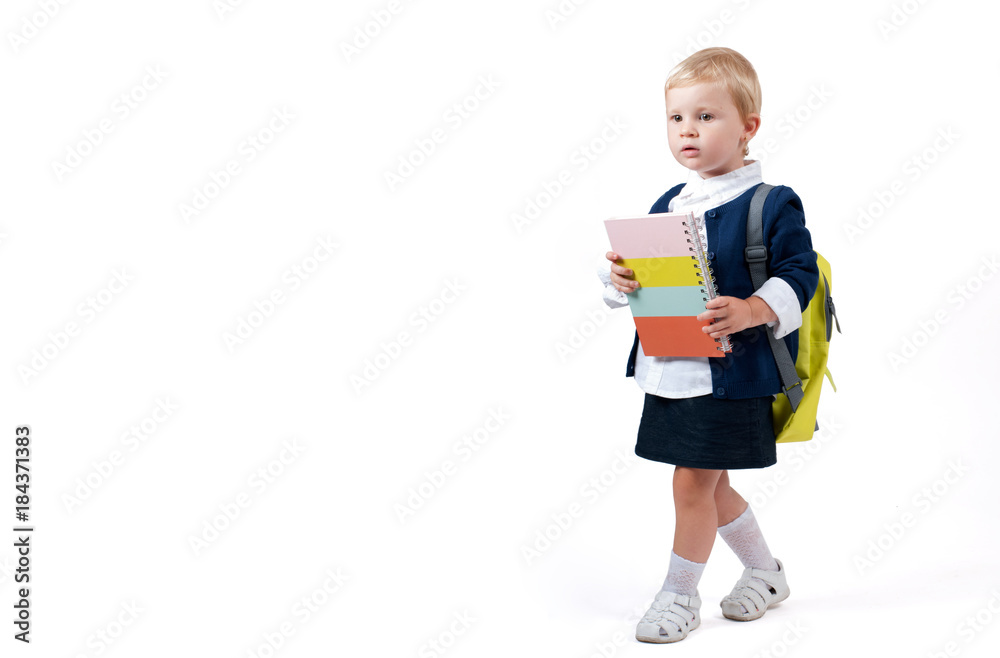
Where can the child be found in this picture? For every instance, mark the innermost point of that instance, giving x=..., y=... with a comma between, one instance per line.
x=708, y=415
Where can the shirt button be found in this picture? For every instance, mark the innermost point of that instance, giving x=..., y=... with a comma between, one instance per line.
x=711, y=255
x=711, y=213
x=720, y=391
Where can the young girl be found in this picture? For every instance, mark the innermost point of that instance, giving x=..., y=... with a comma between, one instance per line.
x=708, y=415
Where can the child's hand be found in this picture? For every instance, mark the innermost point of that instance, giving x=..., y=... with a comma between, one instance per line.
x=733, y=314
x=619, y=275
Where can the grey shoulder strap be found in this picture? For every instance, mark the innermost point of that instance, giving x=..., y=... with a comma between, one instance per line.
x=756, y=258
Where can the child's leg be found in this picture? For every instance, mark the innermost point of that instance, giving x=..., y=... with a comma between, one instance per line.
x=675, y=611
x=738, y=527
x=694, y=530
x=695, y=507
x=729, y=503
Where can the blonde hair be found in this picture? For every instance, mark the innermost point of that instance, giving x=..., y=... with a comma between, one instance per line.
x=726, y=67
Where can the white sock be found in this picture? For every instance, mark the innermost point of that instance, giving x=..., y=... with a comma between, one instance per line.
x=683, y=575
x=743, y=535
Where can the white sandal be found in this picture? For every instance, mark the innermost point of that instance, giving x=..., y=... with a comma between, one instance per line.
x=754, y=596
x=671, y=617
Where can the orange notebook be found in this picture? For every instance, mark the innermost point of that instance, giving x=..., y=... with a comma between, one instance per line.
x=675, y=280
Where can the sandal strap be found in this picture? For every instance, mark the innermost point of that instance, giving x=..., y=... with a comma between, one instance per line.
x=691, y=601
x=752, y=591
x=763, y=574
x=679, y=621
x=749, y=593
x=673, y=612
x=763, y=589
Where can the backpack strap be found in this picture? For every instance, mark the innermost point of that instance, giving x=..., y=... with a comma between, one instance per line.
x=831, y=312
x=756, y=258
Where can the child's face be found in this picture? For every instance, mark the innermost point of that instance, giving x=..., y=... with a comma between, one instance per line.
x=704, y=129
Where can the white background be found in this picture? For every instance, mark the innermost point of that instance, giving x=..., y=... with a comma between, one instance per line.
x=905, y=461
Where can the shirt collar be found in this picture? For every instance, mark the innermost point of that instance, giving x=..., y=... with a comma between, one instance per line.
x=710, y=192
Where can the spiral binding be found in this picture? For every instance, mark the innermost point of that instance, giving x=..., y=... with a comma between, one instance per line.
x=704, y=265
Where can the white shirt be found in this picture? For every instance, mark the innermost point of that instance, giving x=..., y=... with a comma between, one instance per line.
x=683, y=377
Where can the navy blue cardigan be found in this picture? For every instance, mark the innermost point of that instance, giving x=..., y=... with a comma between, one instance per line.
x=749, y=370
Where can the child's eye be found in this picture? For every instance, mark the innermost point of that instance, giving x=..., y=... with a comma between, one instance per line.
x=705, y=117
x=675, y=117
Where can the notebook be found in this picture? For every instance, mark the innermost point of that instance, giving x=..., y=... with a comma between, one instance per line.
x=665, y=252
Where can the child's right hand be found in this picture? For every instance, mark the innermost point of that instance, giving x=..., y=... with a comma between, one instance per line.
x=621, y=276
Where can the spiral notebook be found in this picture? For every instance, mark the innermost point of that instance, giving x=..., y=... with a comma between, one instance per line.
x=675, y=280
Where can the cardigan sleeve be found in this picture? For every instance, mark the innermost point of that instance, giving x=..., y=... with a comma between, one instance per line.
x=789, y=245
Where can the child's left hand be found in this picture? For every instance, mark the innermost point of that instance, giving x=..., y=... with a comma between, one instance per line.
x=733, y=314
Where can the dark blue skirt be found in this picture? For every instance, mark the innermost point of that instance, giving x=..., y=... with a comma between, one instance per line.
x=705, y=432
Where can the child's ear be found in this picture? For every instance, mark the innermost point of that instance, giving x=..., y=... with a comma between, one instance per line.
x=752, y=125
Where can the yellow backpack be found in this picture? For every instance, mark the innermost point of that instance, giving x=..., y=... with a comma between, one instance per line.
x=802, y=382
